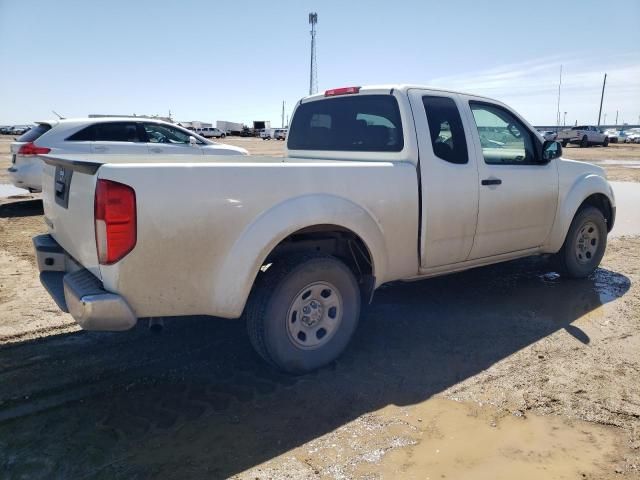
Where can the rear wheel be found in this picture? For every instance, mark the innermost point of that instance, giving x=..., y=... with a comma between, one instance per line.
x=565, y=143
x=303, y=312
x=584, y=245
x=584, y=143
x=606, y=142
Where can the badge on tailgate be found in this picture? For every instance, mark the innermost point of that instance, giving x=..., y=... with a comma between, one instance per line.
x=62, y=183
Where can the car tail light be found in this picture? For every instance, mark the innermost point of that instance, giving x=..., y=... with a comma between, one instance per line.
x=32, y=149
x=115, y=221
x=341, y=91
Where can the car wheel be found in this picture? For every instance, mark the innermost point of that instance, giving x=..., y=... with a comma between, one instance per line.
x=222, y=136
x=303, y=311
x=584, y=245
x=565, y=143
x=584, y=143
x=606, y=142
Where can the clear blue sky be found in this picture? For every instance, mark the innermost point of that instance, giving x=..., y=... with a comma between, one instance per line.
x=238, y=61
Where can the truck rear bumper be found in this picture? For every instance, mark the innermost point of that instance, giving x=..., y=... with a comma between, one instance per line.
x=78, y=292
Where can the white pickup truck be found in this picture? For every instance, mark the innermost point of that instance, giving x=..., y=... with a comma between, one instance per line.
x=585, y=136
x=378, y=184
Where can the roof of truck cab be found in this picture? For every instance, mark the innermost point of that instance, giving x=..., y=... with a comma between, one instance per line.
x=388, y=88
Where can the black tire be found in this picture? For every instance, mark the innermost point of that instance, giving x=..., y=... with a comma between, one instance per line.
x=606, y=142
x=270, y=313
x=584, y=143
x=570, y=260
x=223, y=135
x=565, y=143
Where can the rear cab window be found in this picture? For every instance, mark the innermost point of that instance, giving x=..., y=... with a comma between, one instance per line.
x=35, y=133
x=362, y=123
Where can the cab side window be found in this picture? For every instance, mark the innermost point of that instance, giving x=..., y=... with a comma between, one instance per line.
x=504, y=139
x=445, y=126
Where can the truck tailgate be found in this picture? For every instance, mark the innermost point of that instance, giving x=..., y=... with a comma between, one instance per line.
x=68, y=192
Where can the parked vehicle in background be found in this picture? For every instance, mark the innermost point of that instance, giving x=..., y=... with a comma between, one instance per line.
x=280, y=133
x=267, y=133
x=210, y=132
x=261, y=125
x=633, y=135
x=378, y=184
x=585, y=136
x=19, y=129
x=230, y=128
x=548, y=134
x=106, y=136
x=612, y=135
x=5, y=129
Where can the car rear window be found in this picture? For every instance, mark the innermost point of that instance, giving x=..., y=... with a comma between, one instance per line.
x=362, y=123
x=35, y=133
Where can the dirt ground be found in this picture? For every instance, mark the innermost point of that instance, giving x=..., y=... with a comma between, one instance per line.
x=500, y=372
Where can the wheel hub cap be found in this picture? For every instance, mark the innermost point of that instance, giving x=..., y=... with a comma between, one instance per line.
x=314, y=315
x=587, y=242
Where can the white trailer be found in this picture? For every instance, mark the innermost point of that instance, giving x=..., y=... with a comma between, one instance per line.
x=230, y=128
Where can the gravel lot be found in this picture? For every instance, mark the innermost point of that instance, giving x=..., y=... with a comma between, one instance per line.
x=500, y=372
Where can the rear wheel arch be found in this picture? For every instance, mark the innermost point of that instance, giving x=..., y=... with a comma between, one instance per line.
x=334, y=240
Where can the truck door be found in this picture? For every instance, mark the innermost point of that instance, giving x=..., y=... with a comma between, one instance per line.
x=449, y=178
x=518, y=191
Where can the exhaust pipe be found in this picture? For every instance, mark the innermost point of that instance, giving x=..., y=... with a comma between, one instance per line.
x=156, y=325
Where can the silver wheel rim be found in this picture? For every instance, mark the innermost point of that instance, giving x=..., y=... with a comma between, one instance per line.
x=314, y=315
x=587, y=243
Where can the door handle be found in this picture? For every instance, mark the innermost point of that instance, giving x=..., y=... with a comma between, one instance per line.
x=99, y=148
x=491, y=181
x=156, y=150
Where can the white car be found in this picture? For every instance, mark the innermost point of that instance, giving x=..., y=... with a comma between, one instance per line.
x=378, y=184
x=105, y=136
x=633, y=135
x=211, y=132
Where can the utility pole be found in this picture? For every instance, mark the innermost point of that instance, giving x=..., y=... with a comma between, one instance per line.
x=282, y=123
x=564, y=120
x=558, y=116
x=604, y=82
x=313, y=73
x=605, y=119
x=616, y=118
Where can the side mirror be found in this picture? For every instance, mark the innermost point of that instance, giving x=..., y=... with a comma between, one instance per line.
x=550, y=150
x=192, y=140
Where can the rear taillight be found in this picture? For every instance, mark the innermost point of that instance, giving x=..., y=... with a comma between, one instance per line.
x=341, y=91
x=31, y=149
x=115, y=220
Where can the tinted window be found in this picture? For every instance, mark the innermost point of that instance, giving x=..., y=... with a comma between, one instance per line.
x=363, y=123
x=35, y=133
x=116, y=132
x=84, y=135
x=445, y=126
x=504, y=139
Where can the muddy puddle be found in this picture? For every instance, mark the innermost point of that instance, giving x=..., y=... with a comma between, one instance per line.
x=443, y=438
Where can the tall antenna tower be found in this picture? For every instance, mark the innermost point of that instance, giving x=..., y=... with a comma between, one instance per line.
x=313, y=74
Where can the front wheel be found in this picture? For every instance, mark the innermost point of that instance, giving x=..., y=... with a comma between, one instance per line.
x=565, y=143
x=584, y=143
x=303, y=311
x=606, y=142
x=584, y=245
